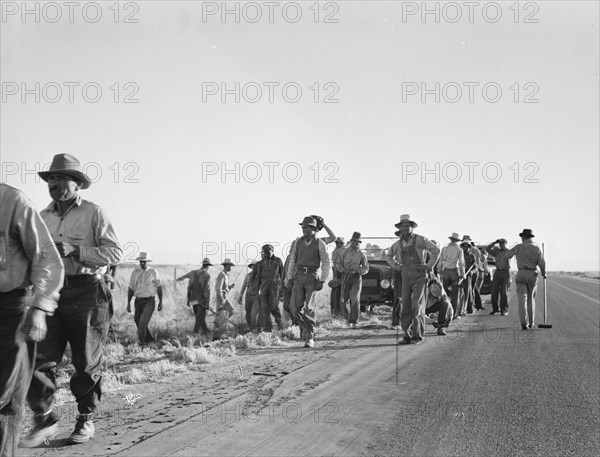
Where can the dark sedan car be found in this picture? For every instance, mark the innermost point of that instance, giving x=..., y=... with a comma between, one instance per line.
x=377, y=285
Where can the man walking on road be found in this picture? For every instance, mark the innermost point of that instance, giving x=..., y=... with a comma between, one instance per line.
x=501, y=279
x=252, y=303
x=529, y=257
x=28, y=257
x=452, y=270
x=144, y=284
x=198, y=295
x=337, y=278
x=353, y=265
x=222, y=289
x=87, y=243
x=267, y=278
x=408, y=256
x=468, y=298
x=309, y=254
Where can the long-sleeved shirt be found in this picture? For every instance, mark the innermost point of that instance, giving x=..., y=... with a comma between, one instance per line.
x=335, y=255
x=529, y=256
x=501, y=256
x=87, y=226
x=247, y=284
x=453, y=258
x=222, y=287
x=323, y=255
x=393, y=256
x=28, y=256
x=144, y=283
x=199, y=285
x=352, y=260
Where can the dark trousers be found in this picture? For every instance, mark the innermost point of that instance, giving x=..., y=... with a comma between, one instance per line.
x=351, y=288
x=287, y=298
x=444, y=310
x=253, y=311
x=450, y=281
x=269, y=304
x=336, y=295
x=302, y=292
x=467, y=287
x=82, y=320
x=500, y=283
x=144, y=308
x=17, y=359
x=200, y=318
x=397, y=278
x=478, y=278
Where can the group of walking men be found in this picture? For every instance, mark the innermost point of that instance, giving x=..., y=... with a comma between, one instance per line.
x=54, y=291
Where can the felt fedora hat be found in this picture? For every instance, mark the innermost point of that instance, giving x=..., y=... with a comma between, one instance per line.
x=206, y=261
x=340, y=239
x=227, y=262
x=455, y=236
x=68, y=165
x=527, y=233
x=144, y=257
x=311, y=221
x=406, y=218
x=356, y=236
x=502, y=240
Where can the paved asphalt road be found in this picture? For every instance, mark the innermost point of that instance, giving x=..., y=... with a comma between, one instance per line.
x=488, y=388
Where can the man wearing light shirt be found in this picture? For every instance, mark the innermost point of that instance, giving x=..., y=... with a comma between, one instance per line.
x=28, y=257
x=408, y=255
x=144, y=284
x=353, y=265
x=87, y=244
x=308, y=256
x=452, y=269
x=529, y=257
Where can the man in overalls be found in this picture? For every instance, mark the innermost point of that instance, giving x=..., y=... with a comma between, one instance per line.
x=267, y=278
x=407, y=255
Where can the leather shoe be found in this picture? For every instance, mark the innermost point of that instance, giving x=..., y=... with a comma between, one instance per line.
x=45, y=429
x=405, y=340
x=84, y=431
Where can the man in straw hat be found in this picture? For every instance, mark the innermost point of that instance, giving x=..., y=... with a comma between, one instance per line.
x=87, y=243
x=408, y=255
x=28, y=257
x=252, y=303
x=308, y=255
x=336, y=282
x=468, y=296
x=222, y=289
x=529, y=257
x=501, y=279
x=199, y=294
x=144, y=285
x=437, y=302
x=268, y=272
x=452, y=270
x=353, y=265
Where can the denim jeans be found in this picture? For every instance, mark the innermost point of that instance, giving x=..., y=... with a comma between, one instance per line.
x=500, y=283
x=82, y=320
x=351, y=293
x=144, y=308
x=269, y=304
x=412, y=319
x=17, y=358
x=302, y=292
x=200, y=317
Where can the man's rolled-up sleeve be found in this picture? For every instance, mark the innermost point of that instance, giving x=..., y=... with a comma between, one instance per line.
x=107, y=250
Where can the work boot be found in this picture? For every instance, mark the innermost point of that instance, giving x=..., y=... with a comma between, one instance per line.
x=310, y=343
x=84, y=430
x=441, y=331
x=46, y=428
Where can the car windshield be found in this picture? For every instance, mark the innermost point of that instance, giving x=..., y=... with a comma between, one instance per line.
x=376, y=247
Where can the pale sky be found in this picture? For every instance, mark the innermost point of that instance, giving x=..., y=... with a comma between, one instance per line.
x=371, y=59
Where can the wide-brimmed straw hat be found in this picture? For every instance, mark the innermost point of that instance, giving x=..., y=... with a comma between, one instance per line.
x=68, y=165
x=144, y=257
x=406, y=218
x=455, y=236
x=206, y=261
x=227, y=262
